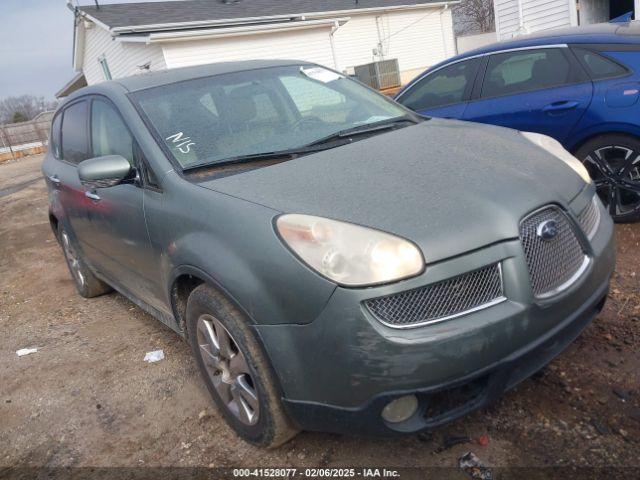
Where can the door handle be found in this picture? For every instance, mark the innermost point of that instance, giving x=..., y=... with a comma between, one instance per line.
x=560, y=106
x=93, y=196
x=54, y=179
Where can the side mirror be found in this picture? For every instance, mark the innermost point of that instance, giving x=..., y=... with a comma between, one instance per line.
x=102, y=172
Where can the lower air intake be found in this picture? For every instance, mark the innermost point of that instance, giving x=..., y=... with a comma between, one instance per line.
x=440, y=301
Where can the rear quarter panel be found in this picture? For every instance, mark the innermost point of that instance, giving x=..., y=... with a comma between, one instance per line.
x=616, y=103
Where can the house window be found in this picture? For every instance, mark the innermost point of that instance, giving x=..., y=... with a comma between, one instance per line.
x=105, y=67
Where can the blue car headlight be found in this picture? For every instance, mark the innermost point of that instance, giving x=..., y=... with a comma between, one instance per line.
x=555, y=148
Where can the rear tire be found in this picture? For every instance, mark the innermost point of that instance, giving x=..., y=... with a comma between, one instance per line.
x=613, y=161
x=235, y=369
x=87, y=284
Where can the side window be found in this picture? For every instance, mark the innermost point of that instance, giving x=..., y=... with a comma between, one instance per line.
x=54, y=139
x=75, y=141
x=109, y=134
x=525, y=70
x=446, y=86
x=598, y=66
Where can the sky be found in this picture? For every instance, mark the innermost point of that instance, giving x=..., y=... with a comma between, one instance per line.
x=36, y=43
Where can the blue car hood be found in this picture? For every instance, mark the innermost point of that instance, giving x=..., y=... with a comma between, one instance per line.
x=449, y=186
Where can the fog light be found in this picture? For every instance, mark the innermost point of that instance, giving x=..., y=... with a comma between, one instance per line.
x=400, y=409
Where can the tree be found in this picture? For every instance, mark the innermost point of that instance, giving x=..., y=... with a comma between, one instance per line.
x=474, y=16
x=18, y=117
x=24, y=107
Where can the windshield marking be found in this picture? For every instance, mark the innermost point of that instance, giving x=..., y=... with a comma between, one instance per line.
x=182, y=143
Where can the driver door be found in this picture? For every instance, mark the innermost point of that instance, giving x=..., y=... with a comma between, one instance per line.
x=119, y=230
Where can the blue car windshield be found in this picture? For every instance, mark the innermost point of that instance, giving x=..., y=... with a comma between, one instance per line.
x=213, y=119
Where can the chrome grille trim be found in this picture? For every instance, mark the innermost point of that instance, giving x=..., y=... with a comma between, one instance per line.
x=438, y=302
x=554, y=265
x=589, y=218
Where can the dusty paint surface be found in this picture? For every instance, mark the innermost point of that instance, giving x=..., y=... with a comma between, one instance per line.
x=87, y=398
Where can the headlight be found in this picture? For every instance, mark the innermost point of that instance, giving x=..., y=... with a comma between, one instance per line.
x=554, y=147
x=349, y=254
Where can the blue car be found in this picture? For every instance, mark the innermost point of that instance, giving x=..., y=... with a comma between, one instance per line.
x=578, y=85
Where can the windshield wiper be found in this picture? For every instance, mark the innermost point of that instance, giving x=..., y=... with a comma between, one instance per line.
x=290, y=153
x=364, y=129
x=337, y=139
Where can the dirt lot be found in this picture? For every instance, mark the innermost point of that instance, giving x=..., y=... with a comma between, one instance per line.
x=86, y=398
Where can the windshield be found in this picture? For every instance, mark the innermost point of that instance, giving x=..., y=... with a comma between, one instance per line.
x=213, y=119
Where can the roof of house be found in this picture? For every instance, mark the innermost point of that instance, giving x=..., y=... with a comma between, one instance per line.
x=172, y=12
x=77, y=82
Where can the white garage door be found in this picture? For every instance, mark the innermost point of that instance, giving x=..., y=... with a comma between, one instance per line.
x=309, y=44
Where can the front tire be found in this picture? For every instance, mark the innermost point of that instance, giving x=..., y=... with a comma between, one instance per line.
x=87, y=284
x=236, y=370
x=613, y=161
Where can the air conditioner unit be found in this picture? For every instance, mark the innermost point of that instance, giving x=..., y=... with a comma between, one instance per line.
x=379, y=75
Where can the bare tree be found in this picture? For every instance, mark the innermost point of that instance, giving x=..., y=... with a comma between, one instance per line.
x=474, y=16
x=24, y=107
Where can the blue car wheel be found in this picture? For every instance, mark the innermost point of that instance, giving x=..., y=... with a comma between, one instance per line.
x=613, y=162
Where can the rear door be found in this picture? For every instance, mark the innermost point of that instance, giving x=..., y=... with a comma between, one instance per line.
x=443, y=92
x=616, y=87
x=543, y=90
x=63, y=174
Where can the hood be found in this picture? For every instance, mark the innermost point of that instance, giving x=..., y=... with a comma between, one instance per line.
x=448, y=186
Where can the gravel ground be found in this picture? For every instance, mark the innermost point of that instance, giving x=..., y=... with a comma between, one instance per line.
x=86, y=398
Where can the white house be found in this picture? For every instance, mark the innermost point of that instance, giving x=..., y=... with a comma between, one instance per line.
x=514, y=17
x=114, y=41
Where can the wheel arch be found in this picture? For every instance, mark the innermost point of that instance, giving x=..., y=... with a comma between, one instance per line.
x=54, y=223
x=185, y=279
x=606, y=129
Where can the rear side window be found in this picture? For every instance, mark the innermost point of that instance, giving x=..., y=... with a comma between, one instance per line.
x=526, y=70
x=109, y=134
x=599, y=66
x=54, y=140
x=75, y=142
x=446, y=86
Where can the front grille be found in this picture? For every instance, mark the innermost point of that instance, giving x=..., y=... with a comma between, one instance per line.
x=589, y=219
x=440, y=301
x=553, y=263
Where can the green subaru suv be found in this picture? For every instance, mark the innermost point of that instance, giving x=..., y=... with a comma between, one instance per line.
x=336, y=262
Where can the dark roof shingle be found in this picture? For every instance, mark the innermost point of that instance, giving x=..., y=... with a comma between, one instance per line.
x=138, y=14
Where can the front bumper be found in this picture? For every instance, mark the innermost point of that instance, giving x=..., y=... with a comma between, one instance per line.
x=338, y=372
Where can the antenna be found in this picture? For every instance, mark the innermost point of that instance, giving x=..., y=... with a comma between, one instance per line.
x=97, y=4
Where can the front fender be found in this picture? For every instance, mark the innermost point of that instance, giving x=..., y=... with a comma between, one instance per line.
x=232, y=244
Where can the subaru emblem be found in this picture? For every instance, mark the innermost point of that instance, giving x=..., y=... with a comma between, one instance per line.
x=547, y=230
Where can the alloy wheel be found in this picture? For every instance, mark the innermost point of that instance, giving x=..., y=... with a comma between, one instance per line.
x=73, y=259
x=616, y=173
x=228, y=369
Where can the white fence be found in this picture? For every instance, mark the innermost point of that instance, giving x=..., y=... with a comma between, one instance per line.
x=25, y=138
